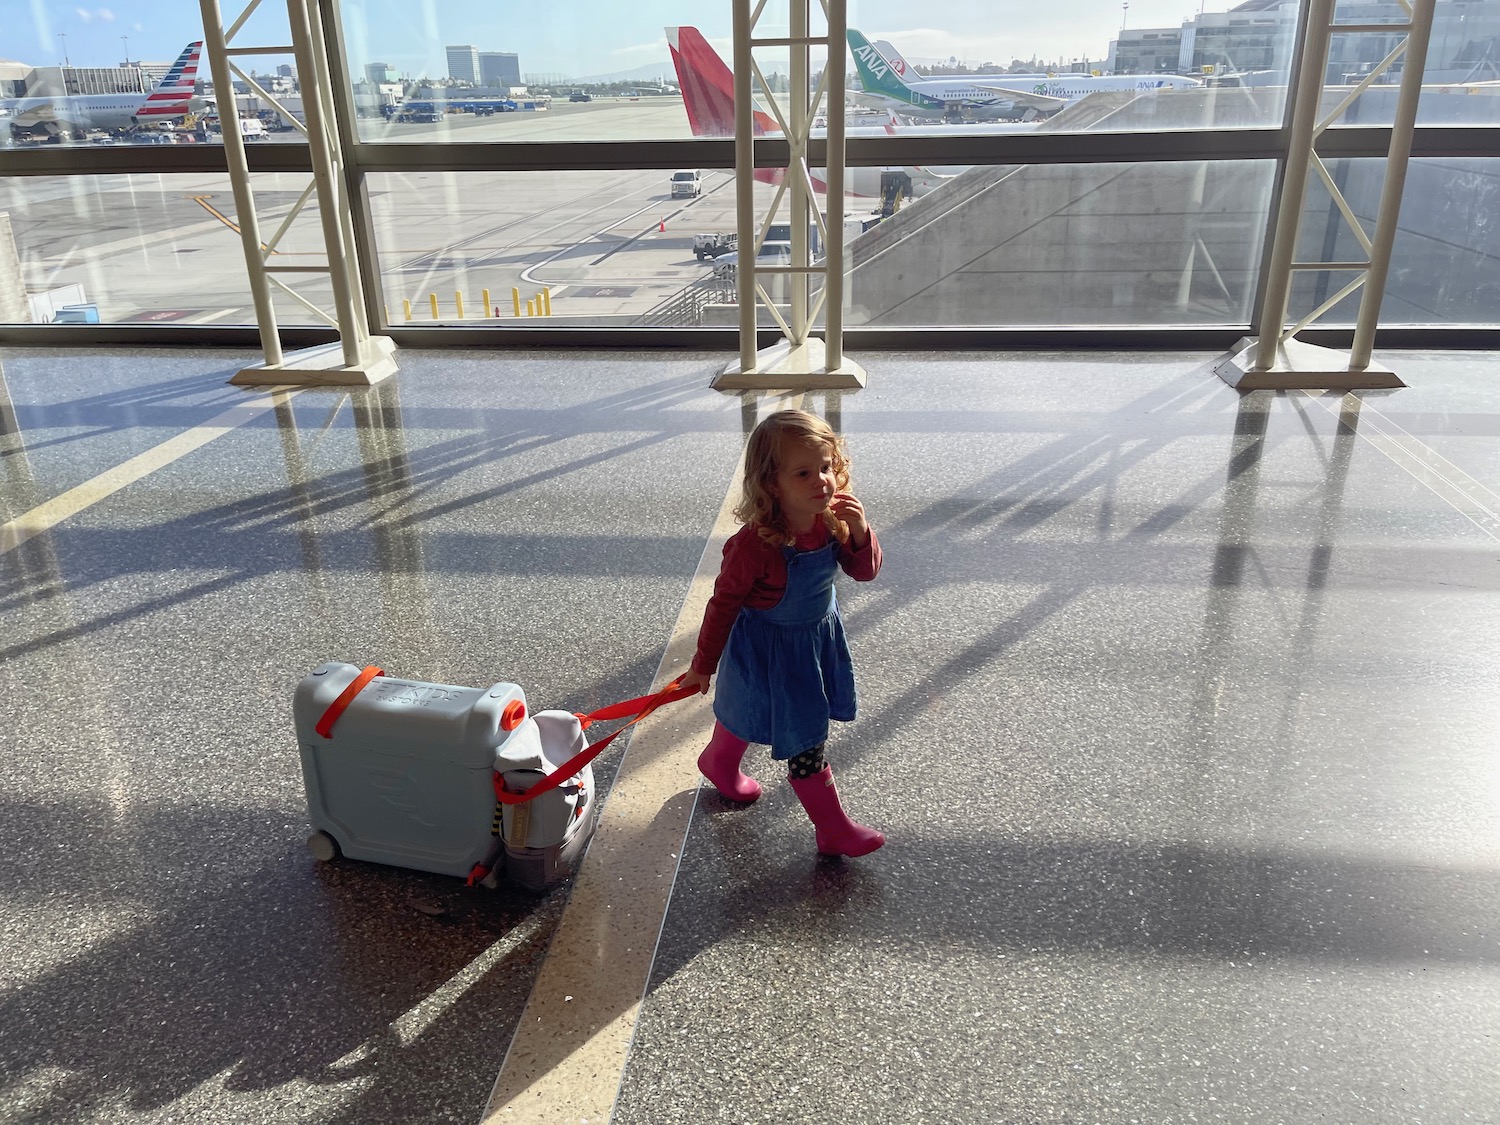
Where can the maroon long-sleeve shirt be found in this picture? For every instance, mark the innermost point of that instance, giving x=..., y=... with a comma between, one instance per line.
x=754, y=574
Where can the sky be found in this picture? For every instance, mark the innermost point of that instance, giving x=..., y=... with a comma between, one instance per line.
x=572, y=38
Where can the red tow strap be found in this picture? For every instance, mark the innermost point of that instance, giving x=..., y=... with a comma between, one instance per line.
x=638, y=708
x=346, y=697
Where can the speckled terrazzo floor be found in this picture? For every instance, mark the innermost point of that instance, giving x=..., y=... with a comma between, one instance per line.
x=1177, y=710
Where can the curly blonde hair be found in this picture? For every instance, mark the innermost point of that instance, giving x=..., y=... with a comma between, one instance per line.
x=758, y=504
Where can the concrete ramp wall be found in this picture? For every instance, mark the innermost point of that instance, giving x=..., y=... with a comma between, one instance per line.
x=1076, y=244
x=1171, y=243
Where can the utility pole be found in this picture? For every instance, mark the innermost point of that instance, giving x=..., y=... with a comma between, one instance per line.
x=125, y=42
x=1124, y=13
x=63, y=35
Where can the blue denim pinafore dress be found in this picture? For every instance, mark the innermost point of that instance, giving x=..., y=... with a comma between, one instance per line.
x=786, y=670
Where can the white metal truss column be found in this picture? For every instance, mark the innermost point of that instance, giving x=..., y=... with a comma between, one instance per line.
x=1274, y=357
x=357, y=358
x=800, y=361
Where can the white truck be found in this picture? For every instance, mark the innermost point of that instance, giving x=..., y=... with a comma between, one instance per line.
x=686, y=182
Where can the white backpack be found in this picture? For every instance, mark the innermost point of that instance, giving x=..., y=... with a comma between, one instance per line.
x=544, y=838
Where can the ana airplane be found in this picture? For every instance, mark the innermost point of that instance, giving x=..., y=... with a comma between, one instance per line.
x=990, y=96
x=167, y=101
x=708, y=97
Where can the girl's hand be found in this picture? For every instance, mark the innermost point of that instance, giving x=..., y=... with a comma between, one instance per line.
x=846, y=506
x=696, y=680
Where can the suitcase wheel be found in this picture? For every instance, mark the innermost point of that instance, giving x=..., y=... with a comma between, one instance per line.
x=324, y=847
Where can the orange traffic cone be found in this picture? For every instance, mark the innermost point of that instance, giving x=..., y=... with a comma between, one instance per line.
x=663, y=227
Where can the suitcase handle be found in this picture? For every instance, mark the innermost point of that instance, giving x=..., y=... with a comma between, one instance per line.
x=346, y=697
x=639, y=708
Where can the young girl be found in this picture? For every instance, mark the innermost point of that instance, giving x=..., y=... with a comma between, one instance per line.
x=775, y=621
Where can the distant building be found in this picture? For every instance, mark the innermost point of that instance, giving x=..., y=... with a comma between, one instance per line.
x=13, y=78
x=463, y=63
x=48, y=81
x=1147, y=50
x=379, y=73
x=499, y=68
x=1258, y=35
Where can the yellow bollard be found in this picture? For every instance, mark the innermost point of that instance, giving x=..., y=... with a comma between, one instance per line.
x=531, y=307
x=387, y=314
x=515, y=298
x=406, y=307
x=433, y=298
x=547, y=302
x=458, y=301
x=485, y=294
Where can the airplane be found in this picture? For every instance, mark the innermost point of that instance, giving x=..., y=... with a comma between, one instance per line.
x=1000, y=95
x=660, y=89
x=708, y=97
x=167, y=101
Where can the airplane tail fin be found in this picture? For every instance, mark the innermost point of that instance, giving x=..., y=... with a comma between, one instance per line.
x=708, y=86
x=171, y=95
x=876, y=74
x=899, y=66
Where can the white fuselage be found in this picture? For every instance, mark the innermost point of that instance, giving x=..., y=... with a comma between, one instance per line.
x=1003, y=95
x=80, y=111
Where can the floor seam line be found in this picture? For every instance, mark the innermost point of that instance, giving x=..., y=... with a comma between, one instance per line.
x=48, y=514
x=1440, y=476
x=576, y=1028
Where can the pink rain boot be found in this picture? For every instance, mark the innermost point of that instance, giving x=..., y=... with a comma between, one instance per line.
x=720, y=763
x=837, y=834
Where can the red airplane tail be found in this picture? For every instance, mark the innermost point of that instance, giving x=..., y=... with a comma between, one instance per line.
x=708, y=86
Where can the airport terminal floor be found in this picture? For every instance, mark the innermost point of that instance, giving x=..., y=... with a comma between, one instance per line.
x=1176, y=709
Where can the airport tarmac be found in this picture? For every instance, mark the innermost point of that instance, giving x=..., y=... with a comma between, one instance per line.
x=603, y=119
x=167, y=248
x=609, y=246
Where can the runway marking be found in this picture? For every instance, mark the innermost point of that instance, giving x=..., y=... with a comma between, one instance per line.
x=203, y=201
x=48, y=515
x=209, y=317
x=570, y=1048
x=527, y=272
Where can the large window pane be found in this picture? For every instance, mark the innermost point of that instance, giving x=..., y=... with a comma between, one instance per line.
x=423, y=72
x=148, y=249
x=1067, y=244
x=590, y=248
x=596, y=70
x=1047, y=245
x=1445, y=262
x=63, y=80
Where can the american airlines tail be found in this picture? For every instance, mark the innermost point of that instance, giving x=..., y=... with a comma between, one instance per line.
x=171, y=95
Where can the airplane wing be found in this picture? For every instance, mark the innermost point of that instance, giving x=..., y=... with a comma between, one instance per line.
x=50, y=114
x=1023, y=97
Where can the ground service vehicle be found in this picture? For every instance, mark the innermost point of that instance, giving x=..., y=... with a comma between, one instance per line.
x=712, y=245
x=686, y=183
x=77, y=314
x=769, y=254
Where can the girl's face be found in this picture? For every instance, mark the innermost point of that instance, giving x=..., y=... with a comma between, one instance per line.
x=804, y=482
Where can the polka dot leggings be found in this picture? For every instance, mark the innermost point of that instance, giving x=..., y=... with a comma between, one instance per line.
x=807, y=763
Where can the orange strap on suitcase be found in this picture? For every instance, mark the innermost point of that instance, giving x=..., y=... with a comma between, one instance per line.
x=346, y=697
